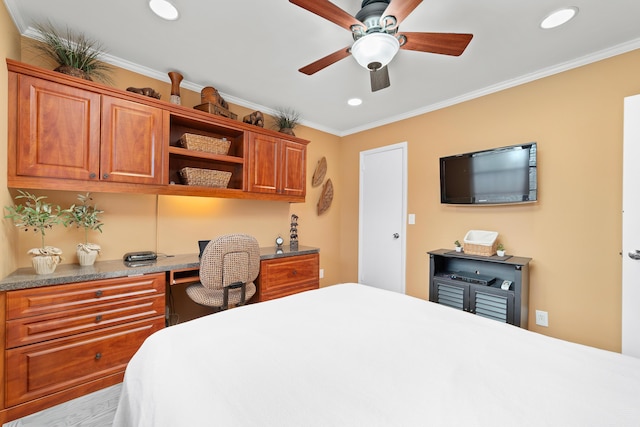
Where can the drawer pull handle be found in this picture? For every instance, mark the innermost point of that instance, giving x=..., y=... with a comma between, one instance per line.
x=98, y=356
x=98, y=294
x=98, y=318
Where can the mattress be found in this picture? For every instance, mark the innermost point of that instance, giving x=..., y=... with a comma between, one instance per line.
x=353, y=355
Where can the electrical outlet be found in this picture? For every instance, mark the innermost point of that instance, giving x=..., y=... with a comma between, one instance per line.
x=542, y=318
x=321, y=273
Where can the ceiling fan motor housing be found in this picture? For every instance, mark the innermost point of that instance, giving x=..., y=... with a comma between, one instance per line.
x=371, y=13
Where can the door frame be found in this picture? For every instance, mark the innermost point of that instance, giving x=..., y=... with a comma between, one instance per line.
x=403, y=146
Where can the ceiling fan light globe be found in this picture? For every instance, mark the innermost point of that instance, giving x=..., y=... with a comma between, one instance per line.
x=375, y=47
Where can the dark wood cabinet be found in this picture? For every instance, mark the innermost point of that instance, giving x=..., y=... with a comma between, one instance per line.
x=509, y=305
x=276, y=166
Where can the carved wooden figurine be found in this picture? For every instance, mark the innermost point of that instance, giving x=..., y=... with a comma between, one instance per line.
x=255, y=118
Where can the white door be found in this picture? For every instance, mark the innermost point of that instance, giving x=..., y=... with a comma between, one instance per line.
x=631, y=228
x=383, y=206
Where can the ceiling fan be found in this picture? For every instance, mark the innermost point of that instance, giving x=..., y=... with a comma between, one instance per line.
x=376, y=35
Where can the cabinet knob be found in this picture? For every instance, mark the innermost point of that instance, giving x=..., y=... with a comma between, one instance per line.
x=294, y=272
x=92, y=175
x=98, y=294
x=98, y=356
x=105, y=176
x=98, y=318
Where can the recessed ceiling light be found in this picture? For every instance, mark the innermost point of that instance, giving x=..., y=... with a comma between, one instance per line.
x=164, y=9
x=354, y=102
x=559, y=17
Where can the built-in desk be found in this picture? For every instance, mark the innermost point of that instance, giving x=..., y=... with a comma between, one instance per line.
x=72, y=332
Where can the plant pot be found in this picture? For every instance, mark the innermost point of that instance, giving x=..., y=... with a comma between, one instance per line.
x=500, y=253
x=288, y=131
x=72, y=71
x=45, y=264
x=87, y=253
x=86, y=258
x=458, y=248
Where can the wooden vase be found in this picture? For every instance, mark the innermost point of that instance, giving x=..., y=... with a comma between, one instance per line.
x=176, y=78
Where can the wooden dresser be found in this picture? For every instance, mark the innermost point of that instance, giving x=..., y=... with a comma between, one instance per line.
x=67, y=340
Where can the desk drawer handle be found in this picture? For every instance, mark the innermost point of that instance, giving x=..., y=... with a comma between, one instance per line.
x=98, y=356
x=98, y=294
x=98, y=318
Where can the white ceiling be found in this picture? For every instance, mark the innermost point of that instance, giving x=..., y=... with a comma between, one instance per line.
x=250, y=50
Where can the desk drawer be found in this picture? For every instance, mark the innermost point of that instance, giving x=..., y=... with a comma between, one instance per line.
x=45, y=327
x=285, y=276
x=41, y=369
x=60, y=298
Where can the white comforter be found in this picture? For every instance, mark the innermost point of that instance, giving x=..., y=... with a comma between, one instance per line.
x=350, y=355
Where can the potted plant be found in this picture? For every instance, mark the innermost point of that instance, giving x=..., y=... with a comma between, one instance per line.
x=75, y=54
x=86, y=216
x=458, y=246
x=38, y=215
x=500, y=249
x=286, y=120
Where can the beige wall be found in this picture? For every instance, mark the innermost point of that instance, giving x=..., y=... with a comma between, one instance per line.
x=573, y=233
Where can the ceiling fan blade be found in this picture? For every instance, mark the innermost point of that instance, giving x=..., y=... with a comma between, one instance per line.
x=328, y=11
x=401, y=8
x=321, y=63
x=379, y=79
x=442, y=43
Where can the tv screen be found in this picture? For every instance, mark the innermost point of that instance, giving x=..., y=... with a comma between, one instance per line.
x=495, y=176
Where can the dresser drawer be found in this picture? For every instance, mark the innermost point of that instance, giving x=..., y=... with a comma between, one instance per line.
x=284, y=276
x=40, y=369
x=58, y=298
x=45, y=327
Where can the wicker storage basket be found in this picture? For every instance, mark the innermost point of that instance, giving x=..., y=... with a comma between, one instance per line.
x=205, y=177
x=192, y=141
x=479, y=242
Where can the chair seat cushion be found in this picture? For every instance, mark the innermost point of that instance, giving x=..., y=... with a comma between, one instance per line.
x=214, y=297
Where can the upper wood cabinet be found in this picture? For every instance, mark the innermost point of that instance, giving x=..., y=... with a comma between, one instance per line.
x=58, y=130
x=70, y=134
x=276, y=166
x=132, y=143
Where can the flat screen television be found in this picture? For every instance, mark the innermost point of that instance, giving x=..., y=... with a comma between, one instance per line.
x=494, y=176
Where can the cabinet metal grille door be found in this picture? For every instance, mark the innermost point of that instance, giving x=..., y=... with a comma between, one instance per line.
x=452, y=296
x=491, y=306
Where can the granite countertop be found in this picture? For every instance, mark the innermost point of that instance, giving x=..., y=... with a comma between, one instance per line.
x=24, y=278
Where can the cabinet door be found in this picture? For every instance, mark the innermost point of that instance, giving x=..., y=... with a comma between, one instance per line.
x=493, y=303
x=58, y=133
x=263, y=159
x=132, y=143
x=294, y=168
x=451, y=294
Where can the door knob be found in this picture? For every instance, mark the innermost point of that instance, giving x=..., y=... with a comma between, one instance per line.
x=396, y=235
x=635, y=255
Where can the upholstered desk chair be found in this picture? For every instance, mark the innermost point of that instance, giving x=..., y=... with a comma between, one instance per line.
x=228, y=267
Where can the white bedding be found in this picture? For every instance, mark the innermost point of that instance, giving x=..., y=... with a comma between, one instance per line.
x=351, y=355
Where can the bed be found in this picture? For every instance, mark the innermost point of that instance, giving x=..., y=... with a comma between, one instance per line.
x=352, y=355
